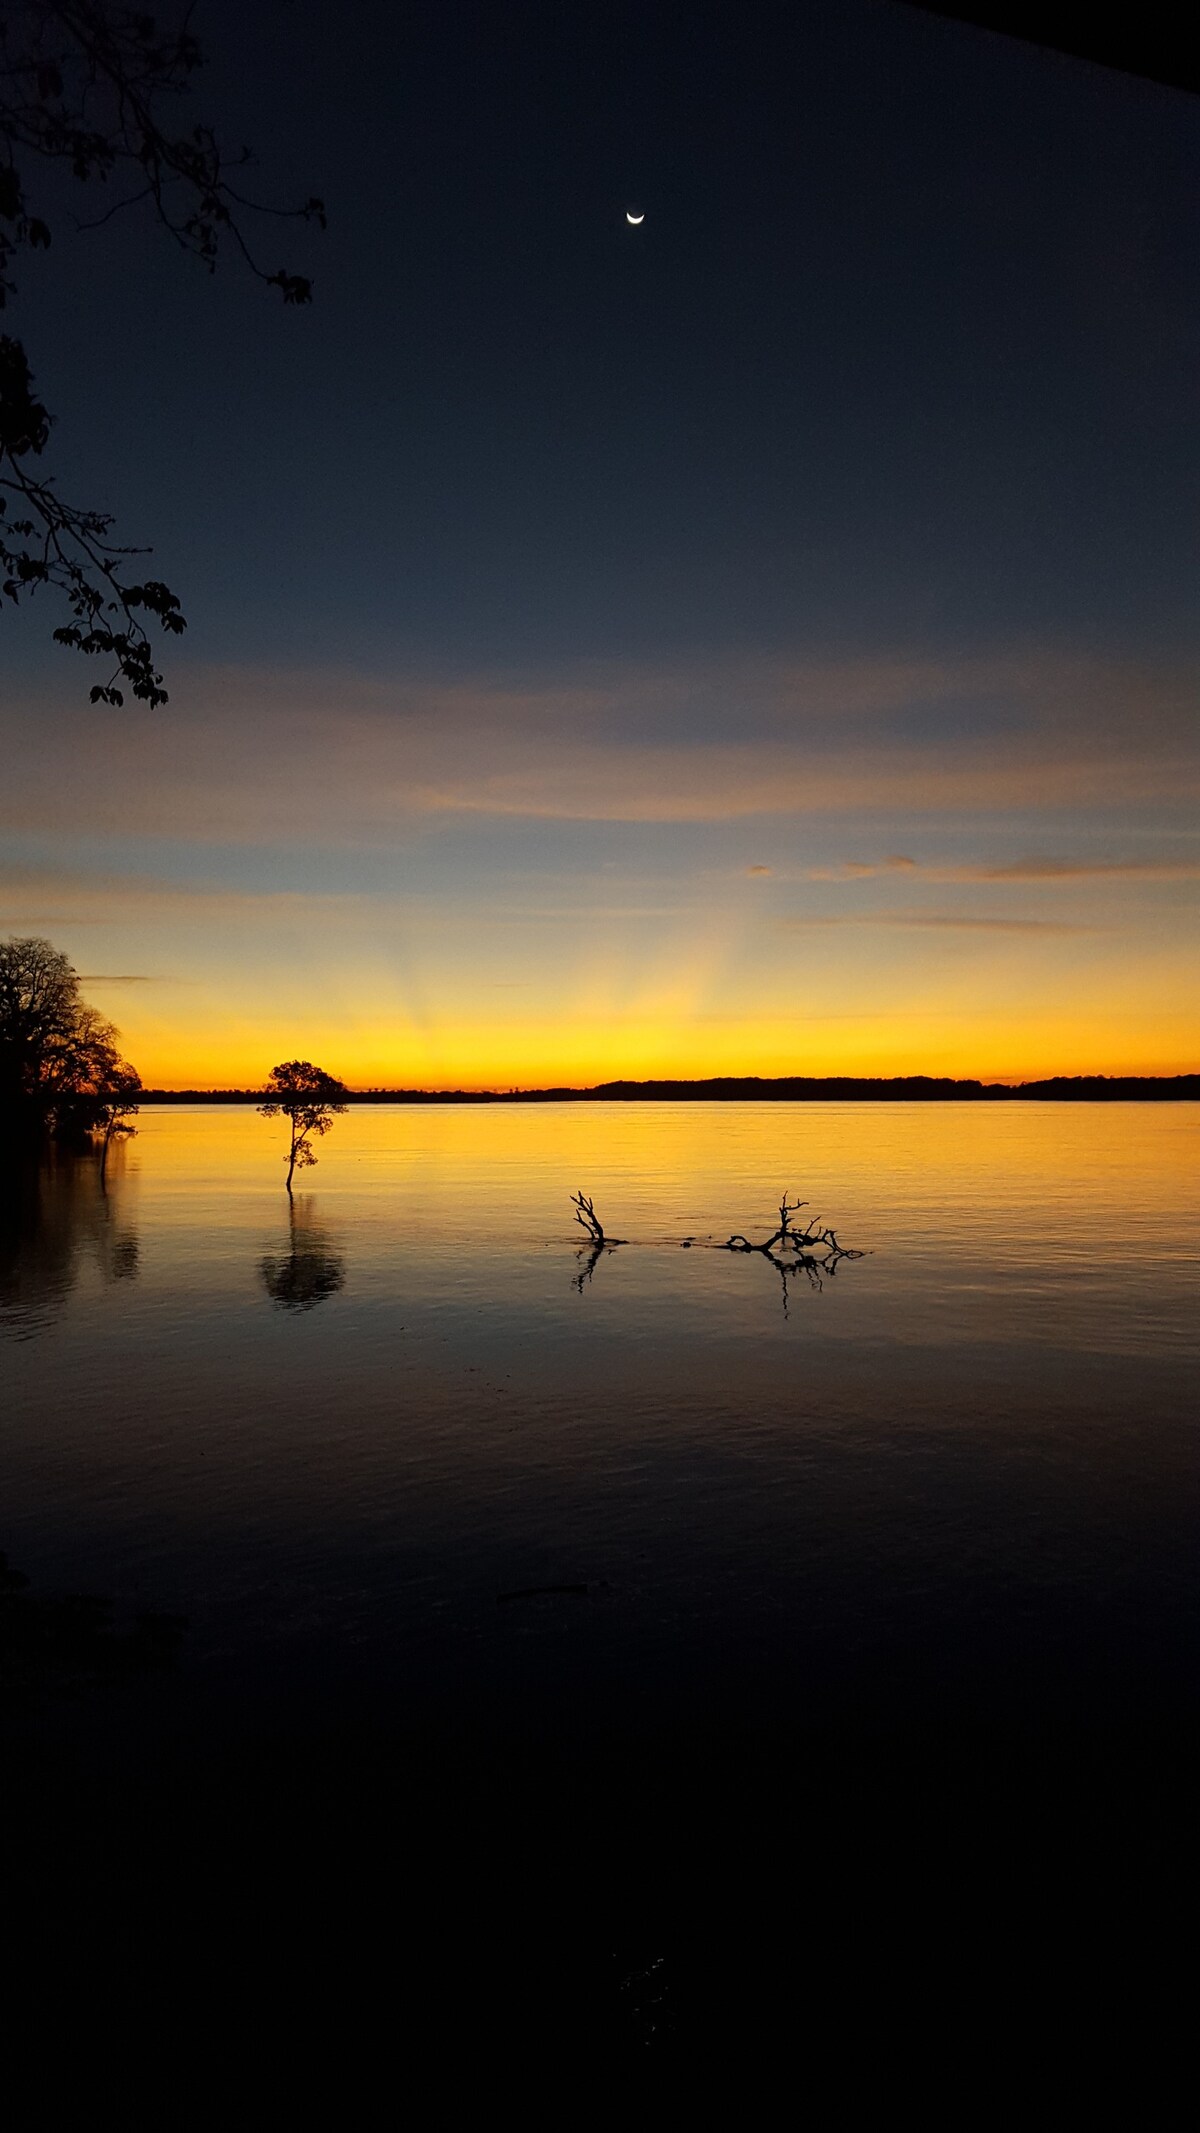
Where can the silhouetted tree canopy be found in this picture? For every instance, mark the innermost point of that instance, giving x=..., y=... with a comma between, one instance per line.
x=59, y=1064
x=308, y=1097
x=95, y=88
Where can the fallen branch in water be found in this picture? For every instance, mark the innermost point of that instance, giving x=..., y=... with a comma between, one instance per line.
x=813, y=1250
x=585, y=1214
x=800, y=1240
x=791, y=1250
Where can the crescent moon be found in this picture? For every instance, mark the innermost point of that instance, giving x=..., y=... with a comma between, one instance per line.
x=635, y=219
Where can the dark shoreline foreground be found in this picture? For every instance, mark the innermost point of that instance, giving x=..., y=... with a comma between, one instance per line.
x=753, y=1088
x=895, y=1897
x=868, y=1782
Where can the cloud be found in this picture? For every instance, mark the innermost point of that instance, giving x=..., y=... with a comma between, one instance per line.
x=104, y=977
x=856, y=868
x=72, y=896
x=1081, y=870
x=75, y=896
x=758, y=870
x=258, y=757
x=1044, y=870
x=941, y=921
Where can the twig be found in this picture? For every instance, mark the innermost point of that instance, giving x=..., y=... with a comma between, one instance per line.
x=586, y=1214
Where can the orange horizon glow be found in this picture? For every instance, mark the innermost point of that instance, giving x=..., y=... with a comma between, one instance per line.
x=583, y=880
x=583, y=1058
x=680, y=995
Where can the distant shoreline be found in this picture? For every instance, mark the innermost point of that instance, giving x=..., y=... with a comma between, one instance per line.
x=749, y=1088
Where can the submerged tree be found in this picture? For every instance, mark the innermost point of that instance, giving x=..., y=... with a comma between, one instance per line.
x=60, y=1070
x=93, y=88
x=308, y=1098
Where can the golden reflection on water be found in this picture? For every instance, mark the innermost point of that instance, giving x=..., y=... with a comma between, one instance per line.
x=1078, y=1219
x=362, y=1414
x=492, y=1166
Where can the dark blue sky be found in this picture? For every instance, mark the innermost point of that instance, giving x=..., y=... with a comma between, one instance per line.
x=759, y=641
x=906, y=349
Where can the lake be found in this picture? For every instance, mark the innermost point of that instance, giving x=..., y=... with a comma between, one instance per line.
x=644, y=1551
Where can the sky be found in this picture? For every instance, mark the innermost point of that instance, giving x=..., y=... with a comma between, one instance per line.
x=758, y=641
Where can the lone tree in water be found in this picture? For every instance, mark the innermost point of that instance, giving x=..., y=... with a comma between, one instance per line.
x=308, y=1098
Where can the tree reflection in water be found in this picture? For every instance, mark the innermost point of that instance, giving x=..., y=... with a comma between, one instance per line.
x=311, y=1269
x=58, y=1214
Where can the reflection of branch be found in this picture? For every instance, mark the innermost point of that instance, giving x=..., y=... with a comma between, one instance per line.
x=586, y=1262
x=809, y=1263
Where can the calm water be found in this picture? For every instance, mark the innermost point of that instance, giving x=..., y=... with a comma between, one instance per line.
x=863, y=1572
x=332, y=1438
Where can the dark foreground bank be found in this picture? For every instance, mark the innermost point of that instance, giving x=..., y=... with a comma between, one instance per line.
x=885, y=1894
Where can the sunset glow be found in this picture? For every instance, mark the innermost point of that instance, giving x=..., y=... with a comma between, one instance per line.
x=683, y=697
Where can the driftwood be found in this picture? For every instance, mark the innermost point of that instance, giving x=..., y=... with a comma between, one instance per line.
x=813, y=1250
x=787, y=1237
x=585, y=1213
x=598, y=1242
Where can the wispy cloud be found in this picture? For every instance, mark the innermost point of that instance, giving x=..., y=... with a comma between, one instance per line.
x=939, y=921
x=862, y=869
x=36, y=896
x=1081, y=870
x=261, y=757
x=1016, y=870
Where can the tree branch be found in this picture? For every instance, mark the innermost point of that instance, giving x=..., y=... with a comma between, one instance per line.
x=82, y=83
